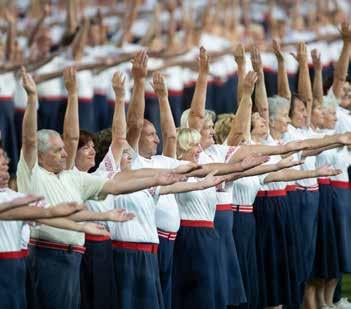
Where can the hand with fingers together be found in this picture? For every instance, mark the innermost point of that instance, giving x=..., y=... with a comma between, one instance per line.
x=277, y=50
x=345, y=32
x=239, y=54
x=249, y=82
x=204, y=66
x=327, y=171
x=253, y=160
x=211, y=180
x=69, y=79
x=120, y=215
x=118, y=85
x=159, y=85
x=28, y=83
x=289, y=162
x=256, y=59
x=94, y=229
x=316, y=59
x=301, y=55
x=139, y=69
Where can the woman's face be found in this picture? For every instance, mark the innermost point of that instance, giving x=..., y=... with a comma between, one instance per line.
x=258, y=125
x=126, y=160
x=346, y=95
x=299, y=114
x=329, y=116
x=207, y=134
x=281, y=121
x=193, y=154
x=317, y=116
x=85, y=158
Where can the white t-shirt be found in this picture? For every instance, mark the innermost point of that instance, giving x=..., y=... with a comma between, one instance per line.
x=342, y=160
x=245, y=190
x=68, y=186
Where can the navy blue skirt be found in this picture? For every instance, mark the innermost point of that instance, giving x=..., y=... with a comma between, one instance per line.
x=244, y=232
x=12, y=283
x=197, y=270
x=97, y=285
x=276, y=253
x=137, y=279
x=51, y=113
x=165, y=262
x=342, y=216
x=233, y=282
x=326, y=261
x=308, y=218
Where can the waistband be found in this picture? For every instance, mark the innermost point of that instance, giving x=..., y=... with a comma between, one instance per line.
x=271, y=193
x=341, y=184
x=223, y=207
x=243, y=208
x=85, y=100
x=311, y=188
x=5, y=98
x=324, y=181
x=290, y=188
x=56, y=246
x=146, y=247
x=13, y=255
x=167, y=235
x=196, y=223
x=25, y=252
x=52, y=98
x=96, y=237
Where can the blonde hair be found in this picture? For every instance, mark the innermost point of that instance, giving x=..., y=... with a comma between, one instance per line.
x=186, y=139
x=222, y=127
x=209, y=115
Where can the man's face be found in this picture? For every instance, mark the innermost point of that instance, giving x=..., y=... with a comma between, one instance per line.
x=54, y=159
x=148, y=141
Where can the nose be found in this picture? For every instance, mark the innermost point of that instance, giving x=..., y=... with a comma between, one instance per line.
x=157, y=140
x=64, y=154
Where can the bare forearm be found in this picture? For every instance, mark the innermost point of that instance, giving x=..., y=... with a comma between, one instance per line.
x=135, y=117
x=290, y=175
x=180, y=187
x=168, y=128
x=62, y=223
x=341, y=68
x=305, y=89
x=317, y=151
x=318, y=87
x=261, y=101
x=283, y=82
x=197, y=108
x=129, y=185
x=87, y=215
x=35, y=31
x=71, y=128
x=25, y=213
x=119, y=129
x=10, y=41
x=241, y=77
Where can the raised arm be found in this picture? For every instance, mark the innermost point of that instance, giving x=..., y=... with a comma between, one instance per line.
x=168, y=129
x=119, y=126
x=261, y=101
x=239, y=56
x=241, y=124
x=304, y=81
x=72, y=16
x=342, y=65
x=80, y=40
x=71, y=121
x=38, y=25
x=29, y=127
x=135, y=116
x=283, y=82
x=198, y=103
x=11, y=36
x=318, y=78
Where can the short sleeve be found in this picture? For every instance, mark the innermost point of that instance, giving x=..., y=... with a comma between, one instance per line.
x=154, y=193
x=108, y=164
x=24, y=174
x=91, y=185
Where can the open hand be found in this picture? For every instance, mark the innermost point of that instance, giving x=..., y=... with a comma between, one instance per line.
x=159, y=85
x=69, y=79
x=139, y=69
x=120, y=215
x=118, y=82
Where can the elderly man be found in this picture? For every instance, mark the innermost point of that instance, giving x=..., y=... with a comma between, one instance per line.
x=41, y=170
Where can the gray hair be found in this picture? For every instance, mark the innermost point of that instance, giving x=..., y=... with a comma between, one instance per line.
x=329, y=102
x=43, y=137
x=209, y=115
x=275, y=104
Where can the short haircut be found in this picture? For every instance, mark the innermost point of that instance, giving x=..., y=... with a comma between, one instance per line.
x=329, y=102
x=84, y=138
x=209, y=115
x=275, y=104
x=186, y=139
x=43, y=137
x=295, y=96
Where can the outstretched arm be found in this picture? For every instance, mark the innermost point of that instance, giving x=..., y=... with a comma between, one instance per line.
x=239, y=56
x=197, y=108
x=135, y=116
x=19, y=202
x=71, y=121
x=169, y=134
x=29, y=128
x=318, y=79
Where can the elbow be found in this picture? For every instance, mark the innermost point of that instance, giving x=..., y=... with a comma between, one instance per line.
x=135, y=124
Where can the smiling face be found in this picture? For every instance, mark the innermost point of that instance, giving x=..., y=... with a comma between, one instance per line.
x=346, y=95
x=85, y=158
x=329, y=118
x=193, y=154
x=317, y=116
x=298, y=114
x=258, y=126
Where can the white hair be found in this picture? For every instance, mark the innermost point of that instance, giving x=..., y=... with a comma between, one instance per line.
x=209, y=115
x=275, y=104
x=329, y=102
x=43, y=137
